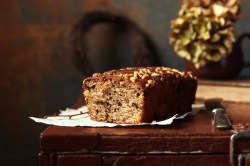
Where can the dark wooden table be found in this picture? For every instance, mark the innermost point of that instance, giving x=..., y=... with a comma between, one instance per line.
x=192, y=141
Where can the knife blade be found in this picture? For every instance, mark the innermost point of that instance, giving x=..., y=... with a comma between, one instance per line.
x=221, y=120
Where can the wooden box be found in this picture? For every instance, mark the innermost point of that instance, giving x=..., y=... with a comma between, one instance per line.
x=192, y=141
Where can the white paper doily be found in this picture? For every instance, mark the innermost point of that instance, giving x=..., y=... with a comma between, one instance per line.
x=81, y=118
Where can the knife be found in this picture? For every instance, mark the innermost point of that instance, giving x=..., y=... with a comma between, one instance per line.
x=221, y=121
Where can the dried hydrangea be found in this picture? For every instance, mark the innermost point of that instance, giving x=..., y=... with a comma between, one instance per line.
x=231, y=8
x=203, y=34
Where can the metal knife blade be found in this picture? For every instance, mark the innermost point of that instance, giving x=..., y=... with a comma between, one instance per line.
x=221, y=121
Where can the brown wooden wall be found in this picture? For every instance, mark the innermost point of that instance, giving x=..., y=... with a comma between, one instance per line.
x=37, y=76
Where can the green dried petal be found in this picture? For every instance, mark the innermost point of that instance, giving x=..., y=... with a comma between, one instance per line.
x=215, y=38
x=171, y=40
x=219, y=10
x=178, y=43
x=179, y=21
x=217, y=58
x=197, y=65
x=184, y=41
x=202, y=62
x=228, y=44
x=203, y=29
x=205, y=35
x=231, y=2
x=176, y=30
x=222, y=50
x=222, y=21
x=193, y=36
x=209, y=26
x=184, y=54
x=194, y=21
x=223, y=32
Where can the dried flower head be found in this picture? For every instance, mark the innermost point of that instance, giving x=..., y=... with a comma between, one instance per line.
x=203, y=33
x=231, y=8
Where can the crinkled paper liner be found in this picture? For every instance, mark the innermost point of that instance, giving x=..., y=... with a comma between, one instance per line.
x=79, y=117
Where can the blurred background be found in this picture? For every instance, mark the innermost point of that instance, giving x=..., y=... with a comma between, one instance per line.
x=37, y=75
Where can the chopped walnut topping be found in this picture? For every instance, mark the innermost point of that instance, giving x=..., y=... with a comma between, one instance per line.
x=136, y=73
x=125, y=77
x=155, y=74
x=86, y=92
x=133, y=79
x=96, y=74
x=145, y=76
x=150, y=81
x=169, y=72
x=106, y=84
x=151, y=74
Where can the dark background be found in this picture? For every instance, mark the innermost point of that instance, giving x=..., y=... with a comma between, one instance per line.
x=37, y=76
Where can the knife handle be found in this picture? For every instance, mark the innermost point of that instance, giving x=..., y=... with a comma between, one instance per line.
x=221, y=120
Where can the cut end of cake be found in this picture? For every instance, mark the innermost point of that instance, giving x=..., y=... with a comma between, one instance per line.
x=115, y=102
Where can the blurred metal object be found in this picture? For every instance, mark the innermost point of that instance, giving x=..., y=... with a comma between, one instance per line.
x=221, y=121
x=241, y=157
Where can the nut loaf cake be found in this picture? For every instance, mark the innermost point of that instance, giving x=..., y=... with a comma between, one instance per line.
x=139, y=94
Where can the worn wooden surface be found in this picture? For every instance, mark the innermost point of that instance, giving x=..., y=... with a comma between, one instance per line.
x=37, y=75
x=193, y=139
